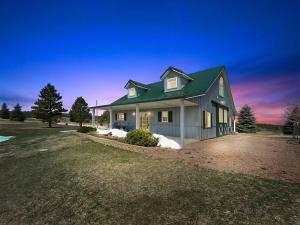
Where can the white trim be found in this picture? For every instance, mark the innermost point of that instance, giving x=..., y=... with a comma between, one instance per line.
x=195, y=96
x=133, y=94
x=181, y=122
x=137, y=116
x=176, y=81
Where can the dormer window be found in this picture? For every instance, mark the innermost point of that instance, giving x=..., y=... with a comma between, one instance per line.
x=131, y=92
x=172, y=83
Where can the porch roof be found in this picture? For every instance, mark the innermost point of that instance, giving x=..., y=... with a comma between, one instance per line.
x=147, y=105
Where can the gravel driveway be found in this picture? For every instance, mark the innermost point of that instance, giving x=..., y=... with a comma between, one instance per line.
x=264, y=154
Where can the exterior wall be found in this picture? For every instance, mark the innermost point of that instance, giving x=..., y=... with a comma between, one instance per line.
x=130, y=119
x=192, y=123
x=205, y=104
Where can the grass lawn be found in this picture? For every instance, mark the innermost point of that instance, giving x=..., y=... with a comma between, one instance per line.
x=83, y=182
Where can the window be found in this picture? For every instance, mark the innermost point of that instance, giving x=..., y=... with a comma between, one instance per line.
x=221, y=115
x=172, y=83
x=120, y=116
x=131, y=92
x=225, y=116
x=164, y=116
x=221, y=87
x=207, y=119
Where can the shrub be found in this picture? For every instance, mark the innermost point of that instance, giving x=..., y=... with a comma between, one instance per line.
x=86, y=129
x=141, y=137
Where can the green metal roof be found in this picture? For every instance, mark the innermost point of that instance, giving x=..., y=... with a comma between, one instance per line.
x=138, y=84
x=202, y=80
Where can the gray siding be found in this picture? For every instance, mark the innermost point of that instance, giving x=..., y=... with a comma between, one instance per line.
x=205, y=104
x=192, y=123
x=194, y=126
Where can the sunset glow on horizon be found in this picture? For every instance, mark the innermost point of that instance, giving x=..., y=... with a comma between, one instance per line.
x=92, y=48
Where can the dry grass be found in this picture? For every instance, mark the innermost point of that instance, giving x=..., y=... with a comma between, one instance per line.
x=88, y=183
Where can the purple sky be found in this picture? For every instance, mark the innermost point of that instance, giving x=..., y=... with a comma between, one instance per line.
x=92, y=48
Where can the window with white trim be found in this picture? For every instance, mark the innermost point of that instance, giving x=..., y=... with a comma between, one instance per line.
x=131, y=92
x=225, y=116
x=221, y=115
x=207, y=119
x=221, y=87
x=120, y=116
x=165, y=117
x=172, y=83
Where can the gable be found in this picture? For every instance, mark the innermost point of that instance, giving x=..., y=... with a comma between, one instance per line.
x=213, y=95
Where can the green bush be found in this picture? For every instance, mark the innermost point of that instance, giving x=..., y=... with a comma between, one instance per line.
x=141, y=137
x=86, y=129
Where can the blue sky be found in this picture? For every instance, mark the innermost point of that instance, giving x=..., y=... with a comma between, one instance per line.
x=91, y=48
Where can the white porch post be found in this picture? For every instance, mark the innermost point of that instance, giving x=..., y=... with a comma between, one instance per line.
x=234, y=125
x=137, y=116
x=93, y=117
x=110, y=118
x=182, y=122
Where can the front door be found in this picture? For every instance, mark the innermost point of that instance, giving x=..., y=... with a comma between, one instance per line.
x=144, y=120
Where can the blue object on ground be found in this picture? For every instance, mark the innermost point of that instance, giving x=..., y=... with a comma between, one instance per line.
x=5, y=138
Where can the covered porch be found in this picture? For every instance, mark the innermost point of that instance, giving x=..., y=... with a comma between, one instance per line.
x=136, y=115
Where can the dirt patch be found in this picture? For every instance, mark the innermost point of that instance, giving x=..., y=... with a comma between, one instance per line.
x=263, y=154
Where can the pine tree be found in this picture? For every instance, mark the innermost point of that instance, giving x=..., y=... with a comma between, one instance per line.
x=17, y=114
x=246, y=120
x=292, y=118
x=49, y=106
x=104, y=118
x=4, y=112
x=80, y=111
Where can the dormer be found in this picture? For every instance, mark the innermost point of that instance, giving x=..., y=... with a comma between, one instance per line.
x=174, y=79
x=135, y=88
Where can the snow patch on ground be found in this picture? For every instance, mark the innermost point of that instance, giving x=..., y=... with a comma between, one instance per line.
x=114, y=132
x=163, y=141
x=67, y=131
x=5, y=138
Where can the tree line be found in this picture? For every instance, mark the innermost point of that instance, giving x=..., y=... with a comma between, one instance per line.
x=49, y=108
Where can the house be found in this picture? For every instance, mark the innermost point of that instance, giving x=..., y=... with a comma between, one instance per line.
x=196, y=105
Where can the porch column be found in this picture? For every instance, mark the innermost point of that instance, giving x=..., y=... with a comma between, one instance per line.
x=137, y=116
x=110, y=118
x=93, y=117
x=182, y=122
x=234, y=125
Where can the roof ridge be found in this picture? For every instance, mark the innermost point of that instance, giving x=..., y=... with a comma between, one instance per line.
x=212, y=68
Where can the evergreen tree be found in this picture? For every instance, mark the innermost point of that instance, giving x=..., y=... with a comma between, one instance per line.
x=49, y=106
x=80, y=111
x=17, y=114
x=246, y=120
x=104, y=118
x=4, y=112
x=292, y=117
x=288, y=127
